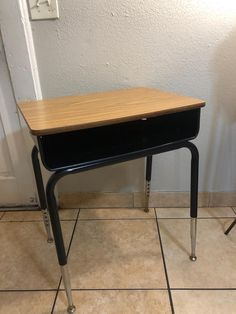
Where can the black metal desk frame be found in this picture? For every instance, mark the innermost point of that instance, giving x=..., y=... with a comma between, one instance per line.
x=102, y=146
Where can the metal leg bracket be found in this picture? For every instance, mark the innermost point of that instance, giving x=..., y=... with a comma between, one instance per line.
x=46, y=221
x=147, y=196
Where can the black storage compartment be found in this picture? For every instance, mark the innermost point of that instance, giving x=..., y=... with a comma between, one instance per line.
x=75, y=148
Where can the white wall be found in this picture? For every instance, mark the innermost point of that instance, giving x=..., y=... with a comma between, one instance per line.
x=184, y=46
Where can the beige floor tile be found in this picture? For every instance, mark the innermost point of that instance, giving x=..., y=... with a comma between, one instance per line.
x=22, y=216
x=116, y=254
x=27, y=260
x=65, y=214
x=211, y=212
x=215, y=266
x=116, y=302
x=204, y=302
x=115, y=213
x=68, y=214
x=26, y=302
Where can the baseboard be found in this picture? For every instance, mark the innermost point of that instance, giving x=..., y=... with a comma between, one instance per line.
x=222, y=199
x=170, y=199
x=157, y=199
x=95, y=200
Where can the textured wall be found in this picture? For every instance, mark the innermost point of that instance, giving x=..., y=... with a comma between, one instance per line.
x=185, y=46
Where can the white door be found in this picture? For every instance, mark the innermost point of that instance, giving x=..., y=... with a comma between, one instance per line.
x=16, y=176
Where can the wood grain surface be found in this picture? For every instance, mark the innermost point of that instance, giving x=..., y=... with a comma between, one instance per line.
x=70, y=113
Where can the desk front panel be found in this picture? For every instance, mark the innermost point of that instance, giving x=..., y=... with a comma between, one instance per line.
x=72, y=149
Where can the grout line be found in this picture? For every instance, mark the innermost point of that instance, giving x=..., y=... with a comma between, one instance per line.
x=28, y=290
x=204, y=289
x=20, y=209
x=133, y=199
x=36, y=209
x=76, y=221
x=67, y=254
x=55, y=298
x=118, y=219
x=209, y=200
x=165, y=268
x=2, y=215
x=188, y=207
x=117, y=289
x=186, y=218
x=111, y=207
x=40, y=220
x=231, y=207
x=125, y=218
x=97, y=219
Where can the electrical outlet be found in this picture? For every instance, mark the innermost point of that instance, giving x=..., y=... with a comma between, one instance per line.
x=33, y=200
x=43, y=9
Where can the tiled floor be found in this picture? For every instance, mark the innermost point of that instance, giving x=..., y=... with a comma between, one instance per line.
x=121, y=261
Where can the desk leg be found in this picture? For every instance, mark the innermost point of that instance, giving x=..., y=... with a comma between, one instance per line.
x=193, y=198
x=58, y=237
x=148, y=182
x=41, y=192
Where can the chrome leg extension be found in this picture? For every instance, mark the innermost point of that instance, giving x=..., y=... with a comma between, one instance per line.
x=46, y=221
x=66, y=280
x=147, y=196
x=193, y=233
